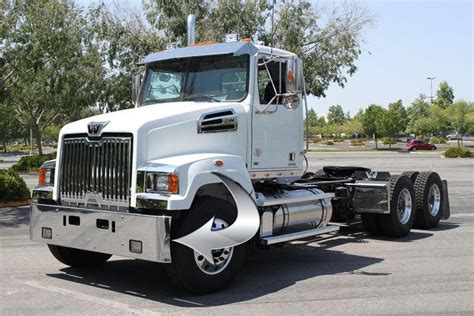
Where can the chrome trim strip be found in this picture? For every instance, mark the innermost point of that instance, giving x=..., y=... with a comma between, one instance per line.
x=254, y=175
x=298, y=235
x=152, y=231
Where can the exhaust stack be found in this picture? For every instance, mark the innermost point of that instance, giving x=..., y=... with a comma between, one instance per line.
x=191, y=29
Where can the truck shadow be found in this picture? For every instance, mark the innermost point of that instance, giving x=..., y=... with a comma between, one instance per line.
x=264, y=273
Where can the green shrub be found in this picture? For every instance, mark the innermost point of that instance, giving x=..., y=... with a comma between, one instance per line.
x=327, y=142
x=438, y=140
x=357, y=142
x=458, y=152
x=32, y=163
x=12, y=186
x=386, y=142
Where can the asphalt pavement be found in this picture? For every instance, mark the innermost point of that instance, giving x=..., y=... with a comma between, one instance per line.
x=427, y=272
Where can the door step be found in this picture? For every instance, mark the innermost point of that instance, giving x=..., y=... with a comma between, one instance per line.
x=270, y=240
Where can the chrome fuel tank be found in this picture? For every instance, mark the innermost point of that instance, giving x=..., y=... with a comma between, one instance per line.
x=299, y=209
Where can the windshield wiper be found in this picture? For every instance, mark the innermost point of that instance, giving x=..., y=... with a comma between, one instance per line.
x=201, y=96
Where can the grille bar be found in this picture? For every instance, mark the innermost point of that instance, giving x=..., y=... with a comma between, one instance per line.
x=96, y=172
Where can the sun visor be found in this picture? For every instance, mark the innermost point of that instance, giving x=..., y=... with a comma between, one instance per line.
x=235, y=48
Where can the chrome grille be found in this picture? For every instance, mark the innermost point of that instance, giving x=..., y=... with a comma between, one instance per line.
x=96, y=173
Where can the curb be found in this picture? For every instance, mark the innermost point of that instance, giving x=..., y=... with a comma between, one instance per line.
x=15, y=203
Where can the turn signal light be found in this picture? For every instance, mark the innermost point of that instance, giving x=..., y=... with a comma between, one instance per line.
x=173, y=184
x=42, y=177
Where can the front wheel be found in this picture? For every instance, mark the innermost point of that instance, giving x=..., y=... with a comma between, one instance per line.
x=78, y=258
x=189, y=269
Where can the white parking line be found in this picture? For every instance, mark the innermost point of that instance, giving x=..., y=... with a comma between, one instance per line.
x=92, y=299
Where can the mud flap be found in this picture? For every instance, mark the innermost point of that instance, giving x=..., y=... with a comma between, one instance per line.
x=446, y=209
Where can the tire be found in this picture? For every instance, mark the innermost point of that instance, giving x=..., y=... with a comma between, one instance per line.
x=402, y=196
x=370, y=222
x=413, y=149
x=429, y=200
x=433, y=148
x=78, y=258
x=186, y=270
x=411, y=174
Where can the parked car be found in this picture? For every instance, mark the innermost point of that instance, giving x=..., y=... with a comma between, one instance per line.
x=453, y=136
x=415, y=145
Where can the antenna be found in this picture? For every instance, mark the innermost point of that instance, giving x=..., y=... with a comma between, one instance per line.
x=273, y=14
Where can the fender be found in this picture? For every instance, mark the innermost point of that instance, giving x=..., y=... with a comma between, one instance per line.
x=195, y=171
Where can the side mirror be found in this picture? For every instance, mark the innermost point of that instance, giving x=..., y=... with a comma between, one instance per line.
x=136, y=84
x=294, y=75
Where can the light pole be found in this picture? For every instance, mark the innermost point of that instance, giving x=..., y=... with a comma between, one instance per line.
x=431, y=80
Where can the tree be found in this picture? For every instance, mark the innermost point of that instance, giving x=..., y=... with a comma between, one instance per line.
x=444, y=95
x=371, y=121
x=312, y=118
x=353, y=127
x=461, y=117
x=394, y=120
x=336, y=115
x=51, y=67
x=10, y=126
x=328, y=39
x=123, y=38
x=418, y=109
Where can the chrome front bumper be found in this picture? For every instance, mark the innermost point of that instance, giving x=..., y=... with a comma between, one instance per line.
x=103, y=231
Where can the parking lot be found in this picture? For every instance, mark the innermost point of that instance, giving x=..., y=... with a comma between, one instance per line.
x=346, y=273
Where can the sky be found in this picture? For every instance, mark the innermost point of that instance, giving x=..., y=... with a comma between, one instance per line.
x=411, y=40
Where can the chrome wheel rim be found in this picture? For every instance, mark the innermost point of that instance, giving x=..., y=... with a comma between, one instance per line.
x=222, y=257
x=404, y=206
x=434, y=200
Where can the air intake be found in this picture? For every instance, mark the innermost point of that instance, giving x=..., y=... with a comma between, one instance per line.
x=217, y=122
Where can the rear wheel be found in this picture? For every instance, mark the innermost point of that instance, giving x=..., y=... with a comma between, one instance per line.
x=411, y=174
x=189, y=269
x=78, y=258
x=429, y=200
x=402, y=208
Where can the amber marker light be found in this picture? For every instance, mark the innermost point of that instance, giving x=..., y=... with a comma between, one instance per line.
x=42, y=177
x=173, y=183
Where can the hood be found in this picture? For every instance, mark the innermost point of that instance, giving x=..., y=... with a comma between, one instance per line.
x=132, y=120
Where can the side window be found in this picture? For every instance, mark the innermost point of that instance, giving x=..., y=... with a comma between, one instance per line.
x=270, y=85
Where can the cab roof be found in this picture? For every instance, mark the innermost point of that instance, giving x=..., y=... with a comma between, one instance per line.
x=235, y=48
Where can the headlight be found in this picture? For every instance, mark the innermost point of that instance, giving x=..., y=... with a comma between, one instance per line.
x=161, y=182
x=46, y=174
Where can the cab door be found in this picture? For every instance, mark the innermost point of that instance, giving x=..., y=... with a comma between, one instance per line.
x=277, y=131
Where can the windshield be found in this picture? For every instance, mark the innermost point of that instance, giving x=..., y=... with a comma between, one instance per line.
x=209, y=78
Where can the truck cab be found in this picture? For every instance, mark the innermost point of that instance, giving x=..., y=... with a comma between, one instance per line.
x=210, y=161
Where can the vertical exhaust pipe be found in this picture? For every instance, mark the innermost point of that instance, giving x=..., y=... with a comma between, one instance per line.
x=191, y=29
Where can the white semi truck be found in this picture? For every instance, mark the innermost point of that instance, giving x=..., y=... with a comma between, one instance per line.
x=209, y=164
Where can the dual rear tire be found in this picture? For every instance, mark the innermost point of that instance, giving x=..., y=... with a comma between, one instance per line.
x=416, y=200
x=402, y=213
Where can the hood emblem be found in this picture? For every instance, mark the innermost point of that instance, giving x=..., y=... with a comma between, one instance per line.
x=95, y=128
